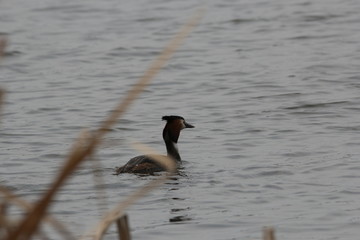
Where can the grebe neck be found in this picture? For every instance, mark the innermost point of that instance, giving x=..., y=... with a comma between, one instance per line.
x=172, y=150
x=170, y=138
x=171, y=133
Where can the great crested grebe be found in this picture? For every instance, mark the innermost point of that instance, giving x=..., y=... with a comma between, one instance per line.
x=144, y=164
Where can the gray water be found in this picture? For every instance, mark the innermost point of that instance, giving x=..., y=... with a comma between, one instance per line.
x=271, y=86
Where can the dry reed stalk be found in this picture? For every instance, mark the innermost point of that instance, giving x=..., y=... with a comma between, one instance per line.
x=2, y=96
x=119, y=210
x=10, y=198
x=29, y=225
x=98, y=183
x=3, y=43
x=268, y=233
x=4, y=221
x=31, y=222
x=150, y=73
x=3, y=208
x=123, y=228
x=7, y=224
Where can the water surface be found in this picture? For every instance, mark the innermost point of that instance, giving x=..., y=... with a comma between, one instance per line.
x=272, y=88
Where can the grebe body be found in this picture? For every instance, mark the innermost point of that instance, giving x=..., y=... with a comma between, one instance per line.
x=144, y=164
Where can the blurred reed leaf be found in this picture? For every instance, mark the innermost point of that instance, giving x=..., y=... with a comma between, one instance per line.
x=85, y=147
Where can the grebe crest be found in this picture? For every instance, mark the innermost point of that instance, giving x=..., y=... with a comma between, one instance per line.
x=144, y=164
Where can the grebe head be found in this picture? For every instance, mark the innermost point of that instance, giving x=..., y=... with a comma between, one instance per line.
x=174, y=124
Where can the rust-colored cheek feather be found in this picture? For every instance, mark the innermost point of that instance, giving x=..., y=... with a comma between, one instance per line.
x=174, y=129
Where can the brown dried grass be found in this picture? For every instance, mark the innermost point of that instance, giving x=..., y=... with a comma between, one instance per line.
x=2, y=97
x=10, y=198
x=3, y=43
x=114, y=214
x=85, y=147
x=268, y=233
